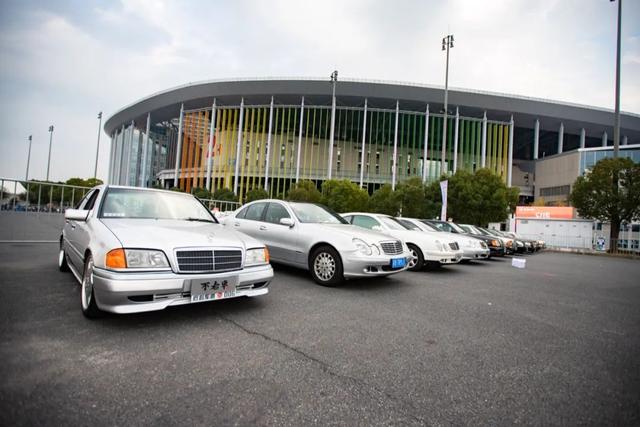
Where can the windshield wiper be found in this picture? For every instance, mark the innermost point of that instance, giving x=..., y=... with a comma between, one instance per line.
x=197, y=219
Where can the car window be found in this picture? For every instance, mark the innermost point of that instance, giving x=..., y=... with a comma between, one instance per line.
x=443, y=226
x=408, y=224
x=91, y=201
x=275, y=212
x=392, y=223
x=348, y=218
x=365, y=222
x=83, y=201
x=242, y=213
x=254, y=212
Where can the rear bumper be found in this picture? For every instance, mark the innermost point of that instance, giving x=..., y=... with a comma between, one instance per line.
x=138, y=292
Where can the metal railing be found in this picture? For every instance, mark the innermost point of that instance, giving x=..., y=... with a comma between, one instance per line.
x=220, y=205
x=38, y=196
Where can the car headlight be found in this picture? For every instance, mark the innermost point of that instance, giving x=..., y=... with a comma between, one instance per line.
x=375, y=249
x=361, y=246
x=136, y=258
x=256, y=256
x=483, y=244
x=440, y=246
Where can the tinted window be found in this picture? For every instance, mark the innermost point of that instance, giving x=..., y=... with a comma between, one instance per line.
x=275, y=212
x=408, y=224
x=254, y=212
x=365, y=222
x=242, y=213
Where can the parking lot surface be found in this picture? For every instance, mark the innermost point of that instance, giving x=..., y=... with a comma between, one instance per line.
x=484, y=343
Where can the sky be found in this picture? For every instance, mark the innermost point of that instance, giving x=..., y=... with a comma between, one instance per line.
x=63, y=62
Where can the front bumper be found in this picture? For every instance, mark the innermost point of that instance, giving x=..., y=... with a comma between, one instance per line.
x=470, y=254
x=443, y=257
x=138, y=292
x=356, y=265
x=496, y=251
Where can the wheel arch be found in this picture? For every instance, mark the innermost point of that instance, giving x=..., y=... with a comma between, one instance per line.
x=319, y=244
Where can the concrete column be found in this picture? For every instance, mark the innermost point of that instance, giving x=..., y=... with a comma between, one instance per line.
x=425, y=169
x=625, y=141
x=484, y=140
x=300, y=140
x=239, y=155
x=455, y=141
x=560, y=137
x=145, y=151
x=583, y=138
x=395, y=148
x=364, y=143
x=178, y=147
x=266, y=168
x=212, y=134
x=604, y=139
x=536, y=139
x=510, y=159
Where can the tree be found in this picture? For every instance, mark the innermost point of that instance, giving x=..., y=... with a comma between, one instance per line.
x=255, y=194
x=385, y=201
x=224, y=194
x=479, y=198
x=344, y=196
x=304, y=191
x=411, y=194
x=609, y=192
x=201, y=193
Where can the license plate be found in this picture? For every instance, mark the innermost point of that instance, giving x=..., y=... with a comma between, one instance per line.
x=213, y=289
x=398, y=262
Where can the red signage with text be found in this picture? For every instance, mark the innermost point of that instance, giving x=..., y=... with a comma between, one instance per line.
x=545, y=212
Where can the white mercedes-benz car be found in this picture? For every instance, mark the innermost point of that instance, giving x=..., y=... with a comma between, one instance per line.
x=312, y=237
x=426, y=249
x=472, y=248
x=139, y=249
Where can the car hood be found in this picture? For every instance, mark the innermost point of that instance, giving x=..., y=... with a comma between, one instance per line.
x=351, y=231
x=168, y=234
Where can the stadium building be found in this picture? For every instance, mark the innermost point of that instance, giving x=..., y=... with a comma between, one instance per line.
x=270, y=133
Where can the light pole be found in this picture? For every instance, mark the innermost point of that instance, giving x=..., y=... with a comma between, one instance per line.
x=49, y=158
x=334, y=79
x=447, y=43
x=26, y=176
x=616, y=121
x=95, y=170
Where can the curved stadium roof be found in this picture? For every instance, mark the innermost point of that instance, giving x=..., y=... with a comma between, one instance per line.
x=165, y=105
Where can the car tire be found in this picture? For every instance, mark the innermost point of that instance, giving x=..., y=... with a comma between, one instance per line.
x=87, y=295
x=417, y=259
x=63, y=265
x=326, y=266
x=465, y=261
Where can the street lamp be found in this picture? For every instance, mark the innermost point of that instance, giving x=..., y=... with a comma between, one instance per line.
x=95, y=170
x=447, y=43
x=26, y=176
x=49, y=158
x=334, y=79
x=616, y=121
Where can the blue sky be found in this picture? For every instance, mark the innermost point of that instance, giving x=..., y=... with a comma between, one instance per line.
x=62, y=62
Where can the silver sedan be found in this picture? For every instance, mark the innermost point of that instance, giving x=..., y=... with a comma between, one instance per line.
x=312, y=237
x=135, y=249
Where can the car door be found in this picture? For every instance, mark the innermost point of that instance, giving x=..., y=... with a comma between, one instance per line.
x=281, y=239
x=248, y=220
x=83, y=228
x=72, y=232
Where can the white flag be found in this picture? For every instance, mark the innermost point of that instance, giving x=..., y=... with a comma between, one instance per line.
x=443, y=190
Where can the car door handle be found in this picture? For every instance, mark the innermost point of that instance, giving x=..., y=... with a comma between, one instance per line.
x=236, y=224
x=73, y=226
x=262, y=227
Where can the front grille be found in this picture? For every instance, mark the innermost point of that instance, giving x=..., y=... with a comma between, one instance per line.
x=454, y=246
x=207, y=260
x=392, y=247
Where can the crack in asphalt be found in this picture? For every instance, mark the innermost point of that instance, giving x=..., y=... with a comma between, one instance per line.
x=409, y=409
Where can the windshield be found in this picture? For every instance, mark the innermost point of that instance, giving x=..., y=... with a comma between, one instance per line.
x=316, y=214
x=432, y=227
x=444, y=226
x=392, y=223
x=145, y=204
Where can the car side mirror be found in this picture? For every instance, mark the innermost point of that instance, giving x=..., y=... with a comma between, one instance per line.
x=286, y=221
x=76, y=214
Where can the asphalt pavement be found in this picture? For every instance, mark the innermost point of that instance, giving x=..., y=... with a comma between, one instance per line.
x=485, y=343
